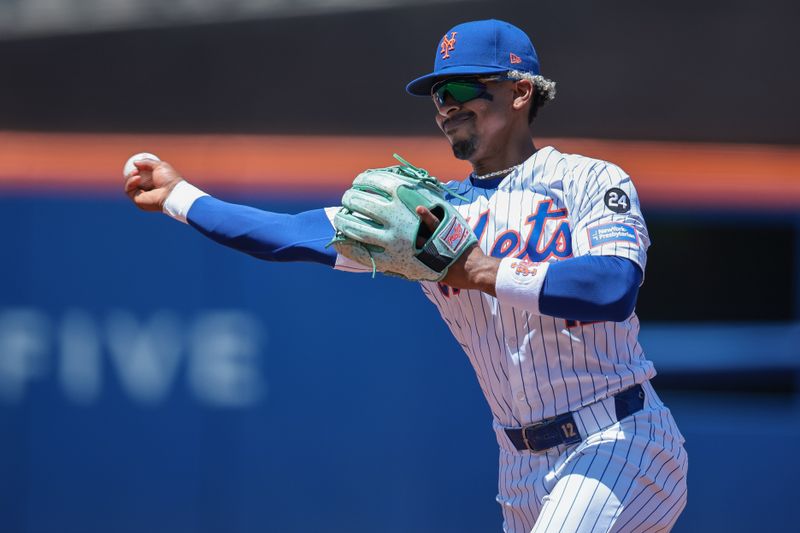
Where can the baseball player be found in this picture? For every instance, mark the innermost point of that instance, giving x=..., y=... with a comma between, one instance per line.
x=542, y=303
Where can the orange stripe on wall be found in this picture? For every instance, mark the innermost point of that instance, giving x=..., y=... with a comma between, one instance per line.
x=665, y=173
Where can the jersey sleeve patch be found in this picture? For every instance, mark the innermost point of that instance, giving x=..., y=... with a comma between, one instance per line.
x=613, y=232
x=617, y=200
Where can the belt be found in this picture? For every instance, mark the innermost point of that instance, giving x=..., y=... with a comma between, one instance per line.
x=562, y=429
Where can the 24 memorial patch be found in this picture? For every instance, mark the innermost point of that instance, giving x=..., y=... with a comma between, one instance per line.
x=617, y=200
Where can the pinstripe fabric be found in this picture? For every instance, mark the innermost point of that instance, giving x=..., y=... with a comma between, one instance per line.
x=533, y=367
x=625, y=476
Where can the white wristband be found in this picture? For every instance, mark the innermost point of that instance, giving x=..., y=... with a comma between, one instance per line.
x=520, y=282
x=180, y=200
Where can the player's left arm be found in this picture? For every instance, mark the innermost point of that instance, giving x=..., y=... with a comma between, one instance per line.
x=587, y=288
x=600, y=283
x=609, y=245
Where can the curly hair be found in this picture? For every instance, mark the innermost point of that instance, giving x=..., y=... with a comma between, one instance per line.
x=544, y=90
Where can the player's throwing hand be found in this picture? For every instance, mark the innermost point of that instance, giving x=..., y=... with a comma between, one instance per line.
x=149, y=184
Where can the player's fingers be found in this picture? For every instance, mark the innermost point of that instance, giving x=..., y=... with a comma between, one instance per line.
x=428, y=218
x=430, y=223
x=139, y=181
x=132, y=183
x=133, y=194
x=146, y=164
x=147, y=200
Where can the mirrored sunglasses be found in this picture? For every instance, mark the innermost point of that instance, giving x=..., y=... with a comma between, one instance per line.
x=463, y=90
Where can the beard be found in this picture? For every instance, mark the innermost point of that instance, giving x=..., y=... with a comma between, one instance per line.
x=464, y=149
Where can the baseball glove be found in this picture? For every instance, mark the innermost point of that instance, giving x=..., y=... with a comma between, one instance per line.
x=378, y=225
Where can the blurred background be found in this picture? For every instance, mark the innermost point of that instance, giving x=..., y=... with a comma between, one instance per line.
x=151, y=380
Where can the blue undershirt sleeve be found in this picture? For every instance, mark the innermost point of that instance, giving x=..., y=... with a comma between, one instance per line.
x=263, y=234
x=591, y=288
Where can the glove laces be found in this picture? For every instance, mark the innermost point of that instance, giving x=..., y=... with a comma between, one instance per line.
x=424, y=178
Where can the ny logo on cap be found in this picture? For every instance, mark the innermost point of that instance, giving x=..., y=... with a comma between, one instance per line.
x=448, y=44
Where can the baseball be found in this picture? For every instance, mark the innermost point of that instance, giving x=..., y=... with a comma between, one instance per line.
x=130, y=167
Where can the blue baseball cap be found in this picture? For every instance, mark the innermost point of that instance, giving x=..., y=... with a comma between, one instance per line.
x=479, y=47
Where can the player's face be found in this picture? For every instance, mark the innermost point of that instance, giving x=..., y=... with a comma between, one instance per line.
x=474, y=114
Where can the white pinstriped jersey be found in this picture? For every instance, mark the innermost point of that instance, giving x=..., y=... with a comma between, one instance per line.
x=530, y=366
x=553, y=207
x=625, y=475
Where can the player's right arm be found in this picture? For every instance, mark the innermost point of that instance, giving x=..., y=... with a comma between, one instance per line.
x=157, y=186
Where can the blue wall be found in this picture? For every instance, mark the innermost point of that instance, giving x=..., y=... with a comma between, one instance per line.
x=151, y=380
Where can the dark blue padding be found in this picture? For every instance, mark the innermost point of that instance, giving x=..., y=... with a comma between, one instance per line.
x=591, y=288
x=263, y=234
